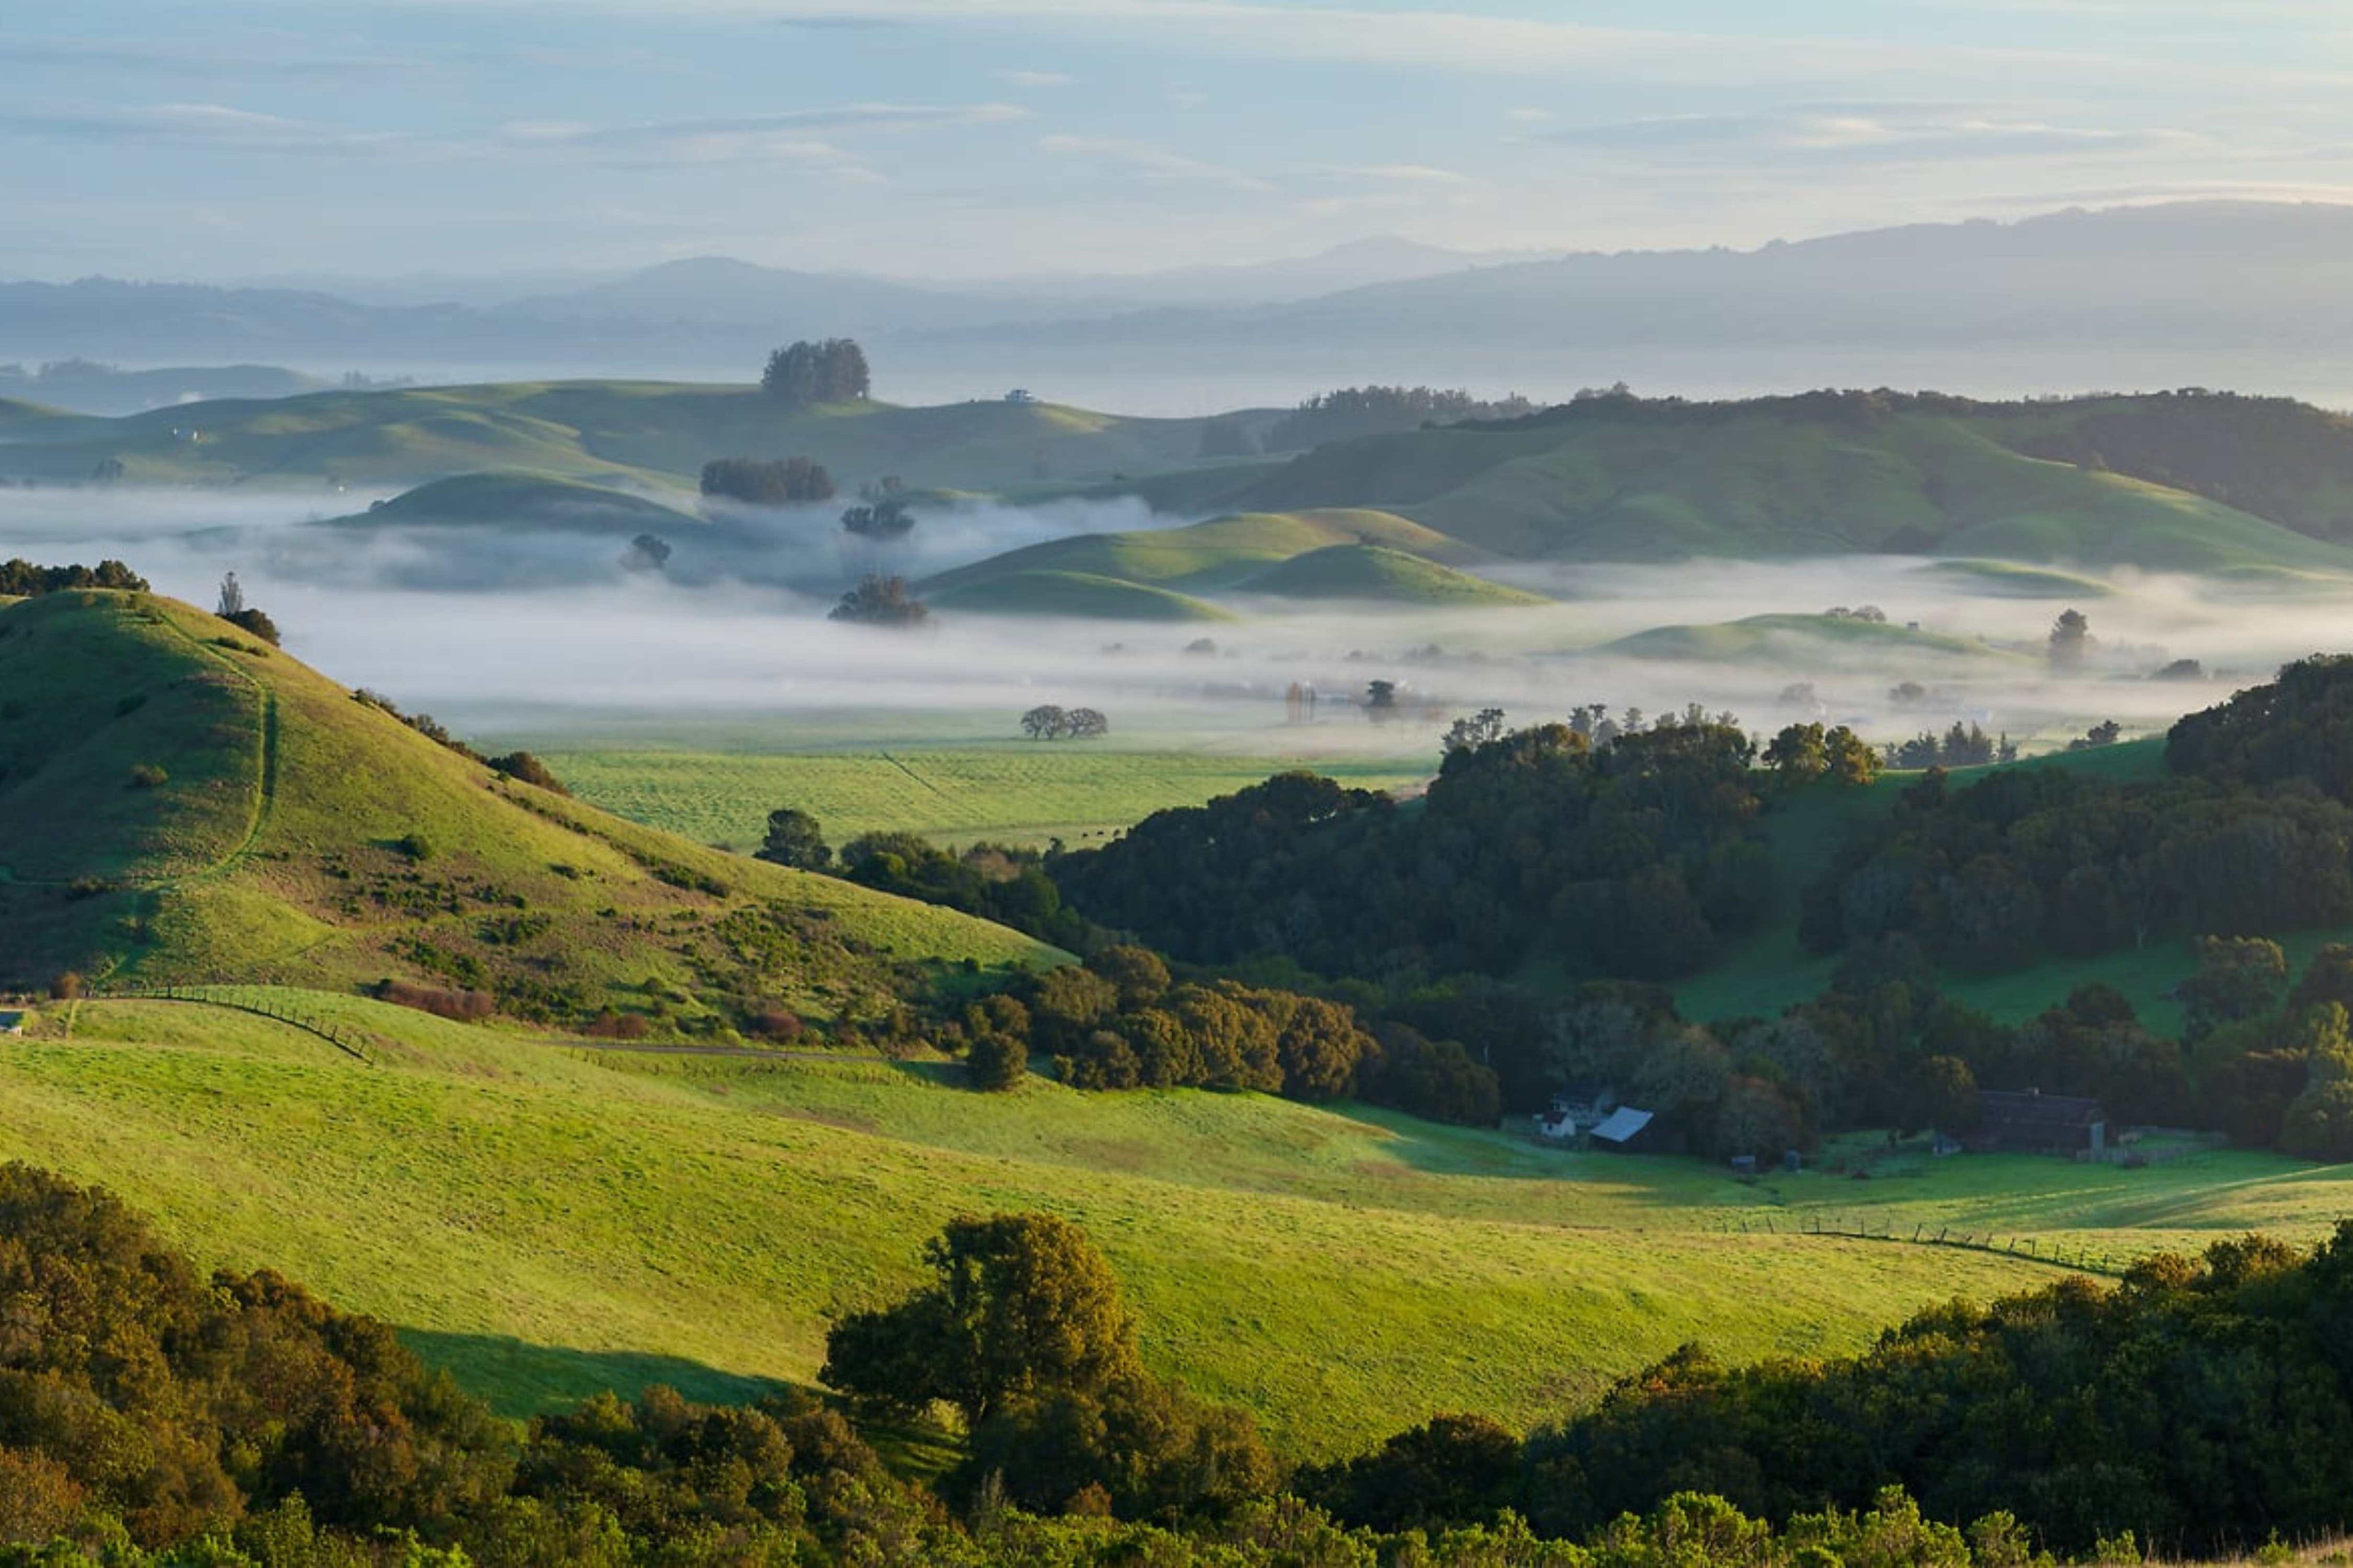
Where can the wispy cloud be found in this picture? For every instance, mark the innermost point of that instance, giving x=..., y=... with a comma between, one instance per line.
x=1152, y=163
x=793, y=136
x=1882, y=132
x=1404, y=174
x=212, y=125
x=1036, y=78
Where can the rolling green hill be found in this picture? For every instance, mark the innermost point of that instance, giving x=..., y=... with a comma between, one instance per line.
x=1225, y=554
x=645, y=433
x=509, y=498
x=1617, y=478
x=547, y=1220
x=181, y=804
x=1083, y=593
x=1795, y=637
x=2009, y=580
x=1375, y=572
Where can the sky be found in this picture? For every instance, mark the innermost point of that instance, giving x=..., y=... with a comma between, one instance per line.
x=966, y=139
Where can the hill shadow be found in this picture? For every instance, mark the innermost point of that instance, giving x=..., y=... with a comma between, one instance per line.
x=518, y=1379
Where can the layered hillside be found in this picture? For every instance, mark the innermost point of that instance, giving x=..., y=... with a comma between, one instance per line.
x=649, y=433
x=179, y=802
x=1224, y=555
x=1374, y=574
x=2175, y=483
x=512, y=499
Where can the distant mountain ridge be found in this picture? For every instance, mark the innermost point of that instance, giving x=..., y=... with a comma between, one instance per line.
x=2244, y=294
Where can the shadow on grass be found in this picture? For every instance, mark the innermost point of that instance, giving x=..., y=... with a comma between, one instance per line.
x=518, y=1379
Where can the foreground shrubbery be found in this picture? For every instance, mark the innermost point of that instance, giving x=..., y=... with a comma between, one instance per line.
x=148, y=1416
x=2203, y=1405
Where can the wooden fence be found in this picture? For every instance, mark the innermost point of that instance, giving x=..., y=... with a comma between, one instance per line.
x=262, y=1002
x=2060, y=1253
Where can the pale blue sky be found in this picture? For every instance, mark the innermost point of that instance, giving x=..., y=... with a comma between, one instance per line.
x=947, y=138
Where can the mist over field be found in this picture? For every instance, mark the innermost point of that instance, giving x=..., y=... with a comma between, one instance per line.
x=542, y=629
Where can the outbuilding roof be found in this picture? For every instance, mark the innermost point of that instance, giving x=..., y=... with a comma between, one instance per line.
x=1621, y=1124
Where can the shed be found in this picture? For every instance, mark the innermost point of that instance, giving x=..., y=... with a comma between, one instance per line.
x=12, y=1023
x=1622, y=1129
x=2031, y=1122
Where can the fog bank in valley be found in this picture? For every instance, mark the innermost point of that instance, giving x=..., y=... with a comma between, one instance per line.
x=547, y=631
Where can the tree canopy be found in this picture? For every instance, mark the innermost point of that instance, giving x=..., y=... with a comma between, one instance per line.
x=831, y=371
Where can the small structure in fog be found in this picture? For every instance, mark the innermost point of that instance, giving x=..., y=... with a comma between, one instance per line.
x=2033, y=1123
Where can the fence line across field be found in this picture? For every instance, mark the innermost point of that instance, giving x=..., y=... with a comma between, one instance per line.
x=2037, y=1249
x=352, y=1042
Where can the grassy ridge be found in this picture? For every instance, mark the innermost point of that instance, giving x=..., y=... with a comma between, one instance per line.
x=652, y=433
x=543, y=1219
x=1376, y=574
x=1796, y=636
x=295, y=834
x=1018, y=793
x=1083, y=593
x=1775, y=481
x=509, y=498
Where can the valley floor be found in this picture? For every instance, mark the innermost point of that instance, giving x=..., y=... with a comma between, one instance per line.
x=547, y=1219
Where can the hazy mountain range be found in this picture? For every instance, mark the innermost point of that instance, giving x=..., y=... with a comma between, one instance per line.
x=2241, y=294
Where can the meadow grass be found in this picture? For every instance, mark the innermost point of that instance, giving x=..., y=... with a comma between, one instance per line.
x=547, y=1220
x=1015, y=792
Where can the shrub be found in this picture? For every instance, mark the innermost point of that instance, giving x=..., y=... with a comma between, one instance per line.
x=776, y=1025
x=465, y=1006
x=530, y=770
x=65, y=986
x=997, y=1061
x=147, y=775
x=415, y=845
x=256, y=622
x=608, y=1025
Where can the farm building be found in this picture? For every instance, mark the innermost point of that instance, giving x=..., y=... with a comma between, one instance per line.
x=2033, y=1123
x=1627, y=1130
x=12, y=1023
x=1576, y=1109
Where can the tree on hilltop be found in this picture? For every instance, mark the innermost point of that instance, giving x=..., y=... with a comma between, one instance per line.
x=833, y=371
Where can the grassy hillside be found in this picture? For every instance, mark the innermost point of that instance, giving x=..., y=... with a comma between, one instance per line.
x=2009, y=580
x=509, y=499
x=1377, y=574
x=1019, y=792
x=1220, y=554
x=1795, y=637
x=1083, y=593
x=548, y=1220
x=181, y=804
x=602, y=431
x=1617, y=479
x=1225, y=554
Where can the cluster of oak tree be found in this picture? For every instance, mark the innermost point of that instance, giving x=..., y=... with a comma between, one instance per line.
x=756, y=481
x=1637, y=859
x=831, y=371
x=20, y=579
x=1047, y=721
x=2249, y=832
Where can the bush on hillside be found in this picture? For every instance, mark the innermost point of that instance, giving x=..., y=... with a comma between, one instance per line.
x=530, y=770
x=464, y=1006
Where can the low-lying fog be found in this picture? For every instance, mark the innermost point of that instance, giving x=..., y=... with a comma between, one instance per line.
x=502, y=633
